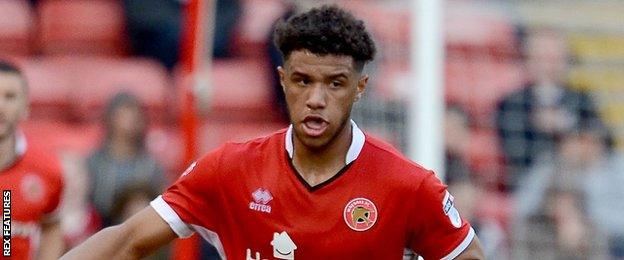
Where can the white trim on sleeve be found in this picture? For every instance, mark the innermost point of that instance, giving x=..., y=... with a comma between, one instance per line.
x=462, y=246
x=171, y=217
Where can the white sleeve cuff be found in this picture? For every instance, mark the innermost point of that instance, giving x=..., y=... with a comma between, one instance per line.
x=462, y=246
x=171, y=217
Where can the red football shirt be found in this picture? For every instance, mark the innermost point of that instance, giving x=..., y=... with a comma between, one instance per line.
x=36, y=185
x=249, y=201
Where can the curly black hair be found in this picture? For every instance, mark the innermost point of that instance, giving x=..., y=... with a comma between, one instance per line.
x=326, y=30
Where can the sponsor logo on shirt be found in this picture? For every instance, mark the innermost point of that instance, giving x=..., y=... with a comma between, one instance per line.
x=32, y=188
x=360, y=214
x=448, y=206
x=283, y=248
x=261, y=198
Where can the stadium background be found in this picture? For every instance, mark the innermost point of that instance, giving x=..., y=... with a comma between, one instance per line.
x=76, y=55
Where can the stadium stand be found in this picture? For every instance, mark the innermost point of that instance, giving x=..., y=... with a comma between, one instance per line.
x=254, y=27
x=73, y=53
x=16, y=28
x=217, y=132
x=241, y=90
x=93, y=27
x=49, y=88
x=75, y=87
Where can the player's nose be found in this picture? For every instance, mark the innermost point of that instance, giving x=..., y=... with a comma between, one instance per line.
x=317, y=97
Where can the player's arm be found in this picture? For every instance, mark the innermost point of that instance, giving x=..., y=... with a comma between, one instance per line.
x=137, y=237
x=51, y=246
x=473, y=251
x=437, y=231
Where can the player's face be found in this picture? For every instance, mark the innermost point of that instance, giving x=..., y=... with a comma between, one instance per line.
x=320, y=92
x=12, y=103
x=547, y=57
x=127, y=121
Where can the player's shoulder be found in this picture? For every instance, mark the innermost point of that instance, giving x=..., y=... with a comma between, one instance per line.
x=392, y=163
x=43, y=161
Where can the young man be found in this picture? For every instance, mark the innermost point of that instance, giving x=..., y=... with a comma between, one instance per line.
x=320, y=189
x=32, y=177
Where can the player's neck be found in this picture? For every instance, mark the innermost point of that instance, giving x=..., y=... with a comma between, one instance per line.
x=8, y=151
x=317, y=166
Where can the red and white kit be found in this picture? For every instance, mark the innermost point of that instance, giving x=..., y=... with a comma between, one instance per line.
x=36, y=185
x=249, y=201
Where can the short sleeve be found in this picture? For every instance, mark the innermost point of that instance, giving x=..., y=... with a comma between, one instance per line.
x=437, y=231
x=192, y=198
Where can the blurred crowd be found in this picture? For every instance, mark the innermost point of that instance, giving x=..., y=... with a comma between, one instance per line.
x=556, y=195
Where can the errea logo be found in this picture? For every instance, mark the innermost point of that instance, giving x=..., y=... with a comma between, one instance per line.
x=261, y=198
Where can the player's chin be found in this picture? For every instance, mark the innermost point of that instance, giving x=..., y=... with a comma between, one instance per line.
x=312, y=141
x=316, y=143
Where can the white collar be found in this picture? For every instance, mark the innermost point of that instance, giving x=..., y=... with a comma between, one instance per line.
x=357, y=143
x=20, y=144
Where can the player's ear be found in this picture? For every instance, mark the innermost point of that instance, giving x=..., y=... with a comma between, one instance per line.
x=282, y=76
x=361, y=86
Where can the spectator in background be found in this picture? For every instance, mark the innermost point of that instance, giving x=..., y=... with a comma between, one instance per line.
x=154, y=28
x=79, y=219
x=529, y=120
x=552, y=202
x=456, y=141
x=603, y=186
x=227, y=16
x=122, y=160
x=30, y=173
x=468, y=191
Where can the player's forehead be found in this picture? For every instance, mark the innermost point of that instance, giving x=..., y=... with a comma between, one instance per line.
x=306, y=62
x=11, y=81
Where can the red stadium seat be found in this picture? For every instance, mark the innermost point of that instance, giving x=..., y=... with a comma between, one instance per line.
x=485, y=157
x=60, y=137
x=96, y=80
x=16, y=24
x=479, y=84
x=50, y=85
x=216, y=132
x=253, y=30
x=240, y=89
x=84, y=138
x=478, y=31
x=167, y=147
x=389, y=23
x=82, y=27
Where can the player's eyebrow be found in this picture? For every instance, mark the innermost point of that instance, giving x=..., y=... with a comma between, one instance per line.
x=299, y=74
x=338, y=75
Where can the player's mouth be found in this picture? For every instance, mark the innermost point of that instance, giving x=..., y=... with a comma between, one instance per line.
x=314, y=126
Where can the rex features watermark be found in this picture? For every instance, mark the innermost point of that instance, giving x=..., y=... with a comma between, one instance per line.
x=6, y=223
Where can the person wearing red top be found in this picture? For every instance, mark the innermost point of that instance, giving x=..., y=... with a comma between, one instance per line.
x=320, y=189
x=32, y=177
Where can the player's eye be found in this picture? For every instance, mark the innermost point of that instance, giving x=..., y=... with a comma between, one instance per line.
x=303, y=82
x=336, y=84
x=10, y=95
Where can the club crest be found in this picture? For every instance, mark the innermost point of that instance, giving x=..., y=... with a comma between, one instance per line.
x=360, y=214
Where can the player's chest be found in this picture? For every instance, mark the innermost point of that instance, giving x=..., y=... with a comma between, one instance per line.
x=26, y=191
x=344, y=219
